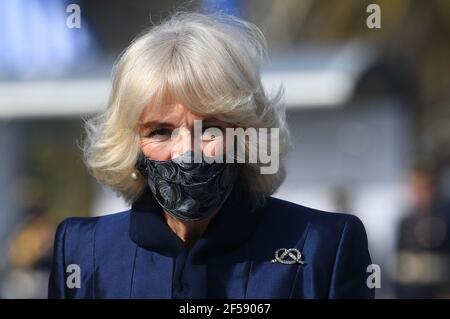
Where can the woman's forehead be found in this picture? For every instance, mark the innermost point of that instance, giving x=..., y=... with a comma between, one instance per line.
x=175, y=113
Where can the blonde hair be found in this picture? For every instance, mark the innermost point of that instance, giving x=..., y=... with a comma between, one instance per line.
x=208, y=63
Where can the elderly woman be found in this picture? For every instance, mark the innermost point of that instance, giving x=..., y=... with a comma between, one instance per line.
x=202, y=222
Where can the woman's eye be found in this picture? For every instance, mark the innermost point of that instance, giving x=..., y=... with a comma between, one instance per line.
x=160, y=133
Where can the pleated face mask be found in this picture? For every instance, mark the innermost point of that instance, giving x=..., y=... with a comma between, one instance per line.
x=188, y=190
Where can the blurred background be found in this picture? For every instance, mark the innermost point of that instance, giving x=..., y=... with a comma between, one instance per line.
x=368, y=108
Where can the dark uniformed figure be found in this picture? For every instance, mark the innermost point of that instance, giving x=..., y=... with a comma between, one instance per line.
x=423, y=247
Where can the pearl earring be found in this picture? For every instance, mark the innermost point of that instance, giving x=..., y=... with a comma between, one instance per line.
x=134, y=176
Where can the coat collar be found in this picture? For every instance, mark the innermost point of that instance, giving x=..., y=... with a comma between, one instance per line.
x=230, y=228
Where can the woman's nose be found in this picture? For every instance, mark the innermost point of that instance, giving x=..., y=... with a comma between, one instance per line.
x=182, y=142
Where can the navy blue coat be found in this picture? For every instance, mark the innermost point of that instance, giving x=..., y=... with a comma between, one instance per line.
x=134, y=254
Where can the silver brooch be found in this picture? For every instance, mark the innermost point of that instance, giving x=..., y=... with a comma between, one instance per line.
x=288, y=256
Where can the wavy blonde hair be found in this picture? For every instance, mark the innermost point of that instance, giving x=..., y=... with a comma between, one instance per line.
x=208, y=63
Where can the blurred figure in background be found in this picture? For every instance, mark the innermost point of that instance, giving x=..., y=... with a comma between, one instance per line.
x=423, y=241
x=30, y=250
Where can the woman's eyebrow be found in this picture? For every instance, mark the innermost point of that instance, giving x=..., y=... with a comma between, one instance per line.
x=150, y=124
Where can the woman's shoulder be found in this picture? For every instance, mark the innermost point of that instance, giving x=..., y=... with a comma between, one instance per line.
x=333, y=243
x=113, y=218
x=289, y=211
x=85, y=243
x=294, y=218
x=87, y=227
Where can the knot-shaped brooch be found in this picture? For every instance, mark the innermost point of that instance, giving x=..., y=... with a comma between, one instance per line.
x=288, y=256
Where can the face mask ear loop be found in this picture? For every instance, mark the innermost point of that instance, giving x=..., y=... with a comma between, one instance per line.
x=141, y=164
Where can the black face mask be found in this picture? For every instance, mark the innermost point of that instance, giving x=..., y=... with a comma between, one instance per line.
x=187, y=190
